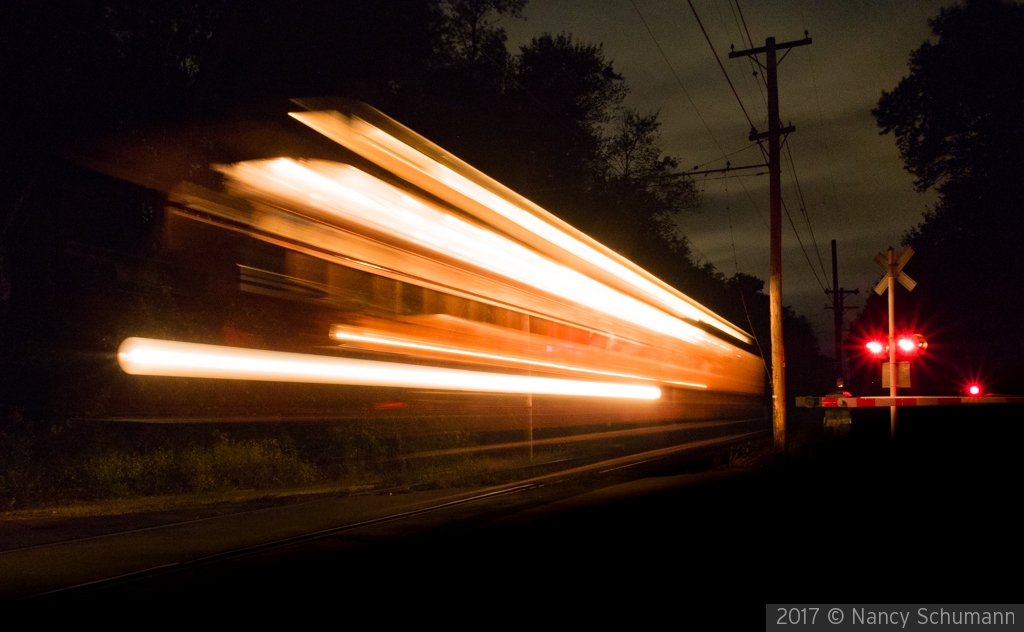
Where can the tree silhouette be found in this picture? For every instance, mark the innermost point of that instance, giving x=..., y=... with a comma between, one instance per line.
x=635, y=166
x=956, y=117
x=957, y=120
x=470, y=30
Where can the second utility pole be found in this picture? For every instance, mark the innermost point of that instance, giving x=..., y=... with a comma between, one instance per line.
x=838, y=306
x=774, y=136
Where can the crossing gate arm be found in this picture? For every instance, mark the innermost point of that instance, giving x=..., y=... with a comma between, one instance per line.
x=886, y=402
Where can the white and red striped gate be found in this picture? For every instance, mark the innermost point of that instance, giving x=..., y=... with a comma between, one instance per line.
x=886, y=402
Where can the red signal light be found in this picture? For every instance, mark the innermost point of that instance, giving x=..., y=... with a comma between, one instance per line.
x=912, y=344
x=974, y=390
x=907, y=345
x=876, y=348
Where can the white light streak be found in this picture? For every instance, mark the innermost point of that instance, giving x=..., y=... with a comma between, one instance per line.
x=142, y=356
x=345, y=130
x=346, y=192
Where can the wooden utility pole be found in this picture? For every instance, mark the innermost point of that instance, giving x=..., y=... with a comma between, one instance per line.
x=838, y=298
x=774, y=136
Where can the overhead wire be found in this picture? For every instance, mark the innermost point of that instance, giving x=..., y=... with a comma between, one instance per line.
x=803, y=206
x=759, y=79
x=687, y=94
x=719, y=61
x=802, y=248
x=739, y=175
x=674, y=74
x=665, y=57
x=800, y=192
x=704, y=190
x=725, y=28
x=837, y=213
x=750, y=40
x=731, y=153
x=694, y=105
x=735, y=274
x=715, y=140
x=763, y=150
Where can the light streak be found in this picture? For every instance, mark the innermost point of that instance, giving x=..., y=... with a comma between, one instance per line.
x=143, y=356
x=348, y=193
x=410, y=344
x=690, y=384
x=355, y=134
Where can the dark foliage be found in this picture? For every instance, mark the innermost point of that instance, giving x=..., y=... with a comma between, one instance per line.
x=958, y=120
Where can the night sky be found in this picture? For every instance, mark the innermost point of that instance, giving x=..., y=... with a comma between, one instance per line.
x=853, y=181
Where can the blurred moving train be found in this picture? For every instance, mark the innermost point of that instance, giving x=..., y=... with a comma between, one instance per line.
x=427, y=284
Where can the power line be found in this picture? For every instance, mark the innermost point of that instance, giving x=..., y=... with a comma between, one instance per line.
x=754, y=204
x=840, y=224
x=699, y=116
x=750, y=40
x=696, y=111
x=738, y=175
x=749, y=44
x=673, y=70
x=803, y=206
x=725, y=28
x=802, y=249
x=719, y=61
x=736, y=21
x=732, y=153
x=733, y=91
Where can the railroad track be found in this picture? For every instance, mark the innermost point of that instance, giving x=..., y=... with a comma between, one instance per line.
x=16, y=566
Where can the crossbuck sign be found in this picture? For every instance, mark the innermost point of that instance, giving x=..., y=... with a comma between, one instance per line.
x=895, y=269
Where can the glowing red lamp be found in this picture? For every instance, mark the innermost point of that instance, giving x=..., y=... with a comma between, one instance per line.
x=974, y=390
x=876, y=347
x=912, y=344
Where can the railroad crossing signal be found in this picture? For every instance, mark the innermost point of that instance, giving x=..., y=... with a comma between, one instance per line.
x=893, y=268
x=896, y=270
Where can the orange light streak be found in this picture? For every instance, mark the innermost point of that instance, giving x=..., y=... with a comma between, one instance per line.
x=354, y=133
x=346, y=192
x=409, y=344
x=142, y=356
